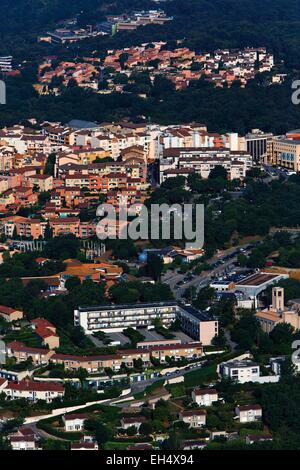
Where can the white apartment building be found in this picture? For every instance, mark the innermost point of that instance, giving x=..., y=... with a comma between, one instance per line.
x=203, y=161
x=116, y=318
x=241, y=371
x=205, y=397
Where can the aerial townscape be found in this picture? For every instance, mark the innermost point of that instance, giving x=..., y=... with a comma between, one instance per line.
x=161, y=342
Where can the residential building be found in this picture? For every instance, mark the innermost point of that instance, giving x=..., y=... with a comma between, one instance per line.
x=136, y=421
x=205, y=396
x=177, y=352
x=84, y=446
x=22, y=353
x=241, y=371
x=10, y=314
x=119, y=317
x=194, y=418
x=248, y=413
x=33, y=390
x=201, y=326
x=74, y=422
x=46, y=331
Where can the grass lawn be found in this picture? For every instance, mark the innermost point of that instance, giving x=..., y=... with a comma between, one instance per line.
x=201, y=376
x=118, y=445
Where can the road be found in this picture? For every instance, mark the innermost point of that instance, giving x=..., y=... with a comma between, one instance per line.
x=204, y=279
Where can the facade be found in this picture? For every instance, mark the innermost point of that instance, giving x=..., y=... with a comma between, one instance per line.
x=198, y=325
x=46, y=331
x=248, y=413
x=21, y=353
x=285, y=152
x=96, y=363
x=10, y=314
x=194, y=418
x=33, y=391
x=187, y=351
x=257, y=144
x=74, y=423
x=23, y=443
x=205, y=397
x=241, y=371
x=119, y=317
x=132, y=422
x=203, y=160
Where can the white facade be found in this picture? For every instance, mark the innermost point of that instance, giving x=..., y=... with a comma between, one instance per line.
x=205, y=397
x=195, y=419
x=248, y=413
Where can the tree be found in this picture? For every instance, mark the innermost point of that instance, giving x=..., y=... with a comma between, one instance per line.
x=48, y=232
x=146, y=429
x=218, y=172
x=155, y=266
x=72, y=283
x=50, y=164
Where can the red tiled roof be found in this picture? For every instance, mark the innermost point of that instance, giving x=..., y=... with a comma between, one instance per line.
x=32, y=386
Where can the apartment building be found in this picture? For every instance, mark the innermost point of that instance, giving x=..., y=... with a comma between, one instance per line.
x=194, y=418
x=204, y=396
x=119, y=317
x=101, y=362
x=200, y=326
x=241, y=371
x=176, y=352
x=203, y=160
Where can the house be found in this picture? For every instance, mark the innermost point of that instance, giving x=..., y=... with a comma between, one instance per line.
x=192, y=444
x=33, y=391
x=21, y=353
x=205, y=396
x=10, y=314
x=243, y=369
x=74, y=422
x=24, y=438
x=140, y=446
x=195, y=418
x=46, y=331
x=132, y=422
x=252, y=439
x=84, y=446
x=23, y=443
x=248, y=413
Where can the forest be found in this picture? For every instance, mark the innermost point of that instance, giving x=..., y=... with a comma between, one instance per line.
x=203, y=26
